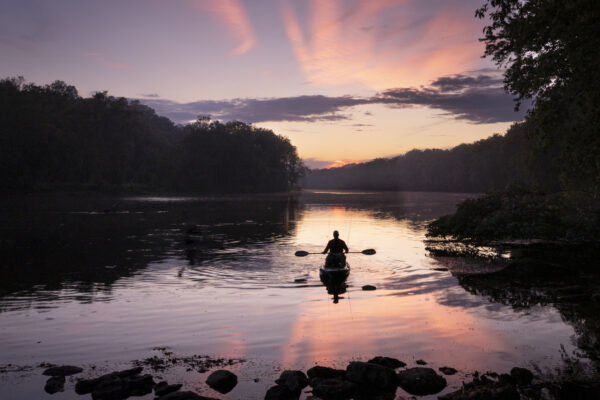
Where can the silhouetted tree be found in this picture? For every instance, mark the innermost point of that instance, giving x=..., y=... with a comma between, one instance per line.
x=52, y=138
x=552, y=52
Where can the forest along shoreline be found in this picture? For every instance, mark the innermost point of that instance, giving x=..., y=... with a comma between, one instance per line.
x=377, y=378
x=106, y=143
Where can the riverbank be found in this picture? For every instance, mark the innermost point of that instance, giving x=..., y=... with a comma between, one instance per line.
x=379, y=378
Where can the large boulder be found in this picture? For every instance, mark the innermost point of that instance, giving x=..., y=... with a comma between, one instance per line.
x=63, y=370
x=387, y=362
x=111, y=388
x=421, y=381
x=85, y=386
x=333, y=388
x=122, y=388
x=138, y=385
x=222, y=381
x=325, y=373
x=371, y=375
x=281, y=392
x=522, y=376
x=293, y=380
x=117, y=385
x=55, y=384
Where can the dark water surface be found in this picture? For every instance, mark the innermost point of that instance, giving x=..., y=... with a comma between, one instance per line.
x=103, y=281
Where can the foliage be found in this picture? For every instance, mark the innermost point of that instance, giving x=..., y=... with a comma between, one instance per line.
x=518, y=214
x=52, y=138
x=552, y=52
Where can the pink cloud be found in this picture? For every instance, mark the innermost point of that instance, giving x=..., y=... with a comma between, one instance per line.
x=232, y=15
x=106, y=62
x=345, y=46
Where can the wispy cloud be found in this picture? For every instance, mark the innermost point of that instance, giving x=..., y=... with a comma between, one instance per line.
x=377, y=42
x=233, y=16
x=474, y=98
x=107, y=62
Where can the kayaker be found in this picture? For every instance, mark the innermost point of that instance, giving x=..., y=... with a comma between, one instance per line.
x=336, y=247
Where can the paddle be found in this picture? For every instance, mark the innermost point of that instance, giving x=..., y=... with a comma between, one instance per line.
x=368, y=252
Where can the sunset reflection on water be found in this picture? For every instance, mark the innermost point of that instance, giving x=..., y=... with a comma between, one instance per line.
x=243, y=294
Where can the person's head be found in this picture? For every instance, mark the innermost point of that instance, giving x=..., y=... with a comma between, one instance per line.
x=336, y=234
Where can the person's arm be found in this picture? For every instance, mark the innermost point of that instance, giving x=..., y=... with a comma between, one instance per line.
x=345, y=247
x=327, y=247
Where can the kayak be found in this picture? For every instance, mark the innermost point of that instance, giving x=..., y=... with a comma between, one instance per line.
x=334, y=276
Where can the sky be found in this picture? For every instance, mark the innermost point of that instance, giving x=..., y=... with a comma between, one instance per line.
x=344, y=80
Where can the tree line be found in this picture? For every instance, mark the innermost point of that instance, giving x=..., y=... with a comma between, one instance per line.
x=51, y=138
x=543, y=175
x=551, y=52
x=514, y=159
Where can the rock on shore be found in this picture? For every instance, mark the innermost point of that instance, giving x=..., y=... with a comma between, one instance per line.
x=222, y=381
x=55, y=384
x=295, y=381
x=64, y=370
x=117, y=385
x=281, y=392
x=522, y=376
x=387, y=362
x=371, y=375
x=320, y=372
x=421, y=381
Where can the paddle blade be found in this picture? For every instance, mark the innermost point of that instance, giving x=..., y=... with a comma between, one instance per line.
x=301, y=253
x=368, y=252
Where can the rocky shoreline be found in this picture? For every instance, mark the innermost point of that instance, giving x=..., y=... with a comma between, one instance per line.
x=379, y=379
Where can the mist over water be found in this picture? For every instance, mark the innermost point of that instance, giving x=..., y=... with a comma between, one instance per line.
x=104, y=281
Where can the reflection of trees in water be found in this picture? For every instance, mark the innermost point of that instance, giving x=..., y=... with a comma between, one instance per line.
x=232, y=227
x=413, y=207
x=567, y=280
x=85, y=244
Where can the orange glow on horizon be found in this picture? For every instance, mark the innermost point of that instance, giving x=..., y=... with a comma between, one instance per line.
x=340, y=163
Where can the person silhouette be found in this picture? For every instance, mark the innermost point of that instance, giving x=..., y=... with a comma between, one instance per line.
x=336, y=247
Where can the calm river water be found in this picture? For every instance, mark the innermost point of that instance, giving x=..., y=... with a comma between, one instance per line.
x=99, y=282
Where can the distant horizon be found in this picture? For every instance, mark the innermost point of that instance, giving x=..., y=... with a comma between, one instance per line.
x=345, y=81
x=309, y=162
